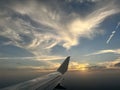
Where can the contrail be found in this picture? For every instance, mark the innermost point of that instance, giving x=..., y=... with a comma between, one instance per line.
x=113, y=33
x=117, y=25
x=110, y=37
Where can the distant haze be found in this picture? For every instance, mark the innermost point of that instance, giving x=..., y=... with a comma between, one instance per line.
x=73, y=80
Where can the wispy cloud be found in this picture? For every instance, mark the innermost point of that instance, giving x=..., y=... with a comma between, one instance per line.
x=39, y=26
x=111, y=64
x=30, y=63
x=35, y=58
x=117, y=25
x=115, y=51
x=113, y=33
x=78, y=66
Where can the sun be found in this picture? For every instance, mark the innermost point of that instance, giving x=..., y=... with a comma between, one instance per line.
x=79, y=66
x=83, y=69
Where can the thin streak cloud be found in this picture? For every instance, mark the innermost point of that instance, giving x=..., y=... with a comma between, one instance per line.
x=115, y=51
x=117, y=25
x=35, y=58
x=113, y=33
x=39, y=26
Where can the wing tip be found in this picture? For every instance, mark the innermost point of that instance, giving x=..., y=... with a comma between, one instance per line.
x=64, y=66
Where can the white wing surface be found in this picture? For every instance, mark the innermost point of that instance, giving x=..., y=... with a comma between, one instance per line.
x=47, y=82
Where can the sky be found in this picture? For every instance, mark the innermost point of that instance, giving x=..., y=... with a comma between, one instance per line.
x=40, y=34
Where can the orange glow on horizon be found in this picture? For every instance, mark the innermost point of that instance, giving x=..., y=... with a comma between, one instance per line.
x=78, y=66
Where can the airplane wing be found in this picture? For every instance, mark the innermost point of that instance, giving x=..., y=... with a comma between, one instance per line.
x=48, y=82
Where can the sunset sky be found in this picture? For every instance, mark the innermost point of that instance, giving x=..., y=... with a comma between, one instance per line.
x=40, y=34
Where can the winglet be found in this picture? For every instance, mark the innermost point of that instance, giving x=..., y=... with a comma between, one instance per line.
x=64, y=66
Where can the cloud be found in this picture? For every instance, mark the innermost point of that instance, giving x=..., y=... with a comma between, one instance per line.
x=96, y=67
x=115, y=51
x=106, y=65
x=29, y=62
x=117, y=64
x=81, y=1
x=35, y=58
x=114, y=64
x=38, y=26
x=118, y=24
x=78, y=66
x=113, y=33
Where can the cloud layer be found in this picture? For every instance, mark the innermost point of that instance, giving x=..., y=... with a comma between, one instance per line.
x=38, y=26
x=114, y=64
x=115, y=51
